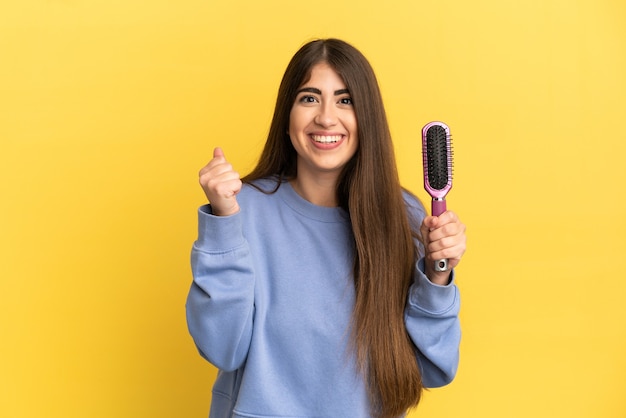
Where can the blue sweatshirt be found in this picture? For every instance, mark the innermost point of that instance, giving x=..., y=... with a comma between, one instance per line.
x=271, y=303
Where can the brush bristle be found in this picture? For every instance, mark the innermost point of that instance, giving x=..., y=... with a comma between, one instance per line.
x=438, y=158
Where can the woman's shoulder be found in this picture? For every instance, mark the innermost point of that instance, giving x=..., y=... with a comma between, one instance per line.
x=415, y=207
x=264, y=189
x=265, y=184
x=411, y=200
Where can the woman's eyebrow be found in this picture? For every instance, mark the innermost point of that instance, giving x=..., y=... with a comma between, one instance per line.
x=309, y=90
x=318, y=91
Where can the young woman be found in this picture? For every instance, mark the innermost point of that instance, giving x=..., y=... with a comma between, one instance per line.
x=314, y=289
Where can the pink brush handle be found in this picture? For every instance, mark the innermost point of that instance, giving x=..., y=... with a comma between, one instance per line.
x=438, y=207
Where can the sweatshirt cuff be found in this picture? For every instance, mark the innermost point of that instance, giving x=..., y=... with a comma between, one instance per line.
x=428, y=296
x=218, y=233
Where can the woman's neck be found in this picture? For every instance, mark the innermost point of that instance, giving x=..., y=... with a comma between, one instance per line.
x=317, y=190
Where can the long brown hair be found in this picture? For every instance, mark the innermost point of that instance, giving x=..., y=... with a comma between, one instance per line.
x=369, y=190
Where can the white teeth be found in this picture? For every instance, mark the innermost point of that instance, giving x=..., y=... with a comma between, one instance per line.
x=326, y=139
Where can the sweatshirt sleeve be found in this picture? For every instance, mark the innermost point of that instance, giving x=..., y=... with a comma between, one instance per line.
x=432, y=321
x=220, y=303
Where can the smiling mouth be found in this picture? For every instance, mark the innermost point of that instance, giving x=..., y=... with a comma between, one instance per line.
x=326, y=139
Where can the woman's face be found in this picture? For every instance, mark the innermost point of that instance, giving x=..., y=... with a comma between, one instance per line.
x=322, y=124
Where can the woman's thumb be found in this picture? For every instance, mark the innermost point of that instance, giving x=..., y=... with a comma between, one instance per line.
x=217, y=152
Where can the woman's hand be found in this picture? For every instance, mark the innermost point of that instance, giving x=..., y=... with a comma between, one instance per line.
x=444, y=237
x=220, y=184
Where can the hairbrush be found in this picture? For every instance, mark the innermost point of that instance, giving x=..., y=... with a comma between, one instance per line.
x=437, y=156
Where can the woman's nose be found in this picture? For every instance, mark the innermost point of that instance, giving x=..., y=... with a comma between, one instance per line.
x=327, y=115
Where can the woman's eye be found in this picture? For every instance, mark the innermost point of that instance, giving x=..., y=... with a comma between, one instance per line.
x=346, y=101
x=307, y=99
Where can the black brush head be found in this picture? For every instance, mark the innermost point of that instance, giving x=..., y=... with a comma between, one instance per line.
x=437, y=157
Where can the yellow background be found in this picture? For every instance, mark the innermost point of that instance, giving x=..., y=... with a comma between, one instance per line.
x=108, y=109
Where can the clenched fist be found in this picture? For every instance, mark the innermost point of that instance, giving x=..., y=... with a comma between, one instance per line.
x=444, y=237
x=220, y=184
